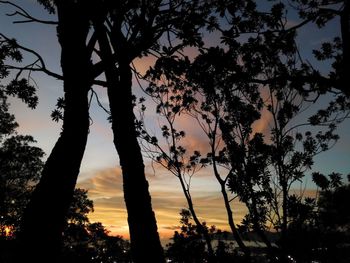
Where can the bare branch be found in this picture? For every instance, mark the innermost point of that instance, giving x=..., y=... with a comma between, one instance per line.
x=233, y=198
x=41, y=67
x=100, y=83
x=28, y=18
x=99, y=102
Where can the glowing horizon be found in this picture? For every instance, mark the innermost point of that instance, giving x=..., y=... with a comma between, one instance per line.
x=105, y=189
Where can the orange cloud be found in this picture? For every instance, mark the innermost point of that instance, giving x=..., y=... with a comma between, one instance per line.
x=105, y=189
x=263, y=124
x=143, y=64
x=104, y=184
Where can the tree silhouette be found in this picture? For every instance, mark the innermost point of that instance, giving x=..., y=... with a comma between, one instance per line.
x=21, y=165
x=146, y=21
x=173, y=156
x=247, y=77
x=156, y=19
x=84, y=241
x=43, y=219
x=322, y=13
x=188, y=244
x=20, y=162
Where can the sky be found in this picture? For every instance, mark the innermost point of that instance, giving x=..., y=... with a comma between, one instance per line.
x=100, y=173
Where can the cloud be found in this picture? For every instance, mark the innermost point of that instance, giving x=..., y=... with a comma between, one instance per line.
x=112, y=213
x=263, y=124
x=143, y=64
x=105, y=189
x=105, y=183
x=209, y=207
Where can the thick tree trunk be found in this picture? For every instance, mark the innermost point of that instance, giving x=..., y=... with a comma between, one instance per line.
x=44, y=217
x=145, y=243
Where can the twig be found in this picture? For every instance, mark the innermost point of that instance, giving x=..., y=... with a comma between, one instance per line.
x=25, y=14
x=41, y=67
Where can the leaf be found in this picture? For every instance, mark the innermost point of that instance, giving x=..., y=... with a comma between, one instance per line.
x=320, y=180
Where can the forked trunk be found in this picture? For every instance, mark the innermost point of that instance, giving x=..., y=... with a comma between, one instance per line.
x=145, y=243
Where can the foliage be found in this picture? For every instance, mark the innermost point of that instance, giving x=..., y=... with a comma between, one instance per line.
x=332, y=202
x=188, y=245
x=322, y=13
x=80, y=207
x=20, y=167
x=319, y=227
x=91, y=243
x=48, y=5
x=20, y=162
x=256, y=72
x=83, y=241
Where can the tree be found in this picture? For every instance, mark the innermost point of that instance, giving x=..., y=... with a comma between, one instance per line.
x=262, y=173
x=43, y=219
x=258, y=54
x=211, y=68
x=253, y=162
x=156, y=18
x=146, y=23
x=322, y=13
x=248, y=77
x=188, y=244
x=171, y=103
x=84, y=241
x=21, y=165
x=332, y=218
x=92, y=243
x=20, y=162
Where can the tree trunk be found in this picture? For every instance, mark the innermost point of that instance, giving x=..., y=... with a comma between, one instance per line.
x=201, y=229
x=258, y=229
x=284, y=226
x=232, y=224
x=44, y=217
x=229, y=211
x=145, y=243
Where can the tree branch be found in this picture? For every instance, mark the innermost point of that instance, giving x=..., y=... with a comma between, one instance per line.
x=41, y=67
x=23, y=13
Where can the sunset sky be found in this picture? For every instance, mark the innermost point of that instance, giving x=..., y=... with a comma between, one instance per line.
x=100, y=173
